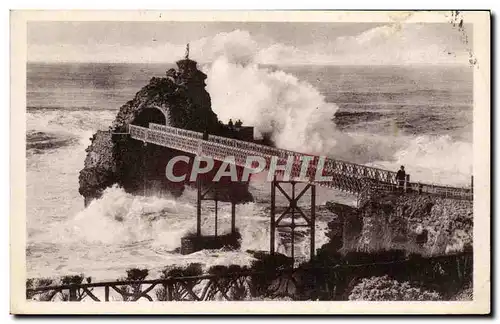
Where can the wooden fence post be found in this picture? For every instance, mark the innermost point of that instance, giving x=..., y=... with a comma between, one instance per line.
x=170, y=293
x=72, y=294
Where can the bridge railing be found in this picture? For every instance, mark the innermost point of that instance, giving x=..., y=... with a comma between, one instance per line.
x=176, y=131
x=331, y=165
x=138, y=132
x=417, y=188
x=346, y=175
x=444, y=191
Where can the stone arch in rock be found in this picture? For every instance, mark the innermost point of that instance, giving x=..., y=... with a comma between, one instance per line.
x=151, y=114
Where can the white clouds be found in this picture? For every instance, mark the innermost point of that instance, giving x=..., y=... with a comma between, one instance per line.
x=404, y=44
x=371, y=37
x=395, y=44
x=237, y=46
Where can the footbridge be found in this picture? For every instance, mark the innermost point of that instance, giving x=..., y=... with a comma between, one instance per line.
x=345, y=176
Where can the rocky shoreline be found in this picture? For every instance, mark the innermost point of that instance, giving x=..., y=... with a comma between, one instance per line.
x=414, y=223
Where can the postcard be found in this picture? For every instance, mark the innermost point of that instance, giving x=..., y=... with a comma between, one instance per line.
x=250, y=162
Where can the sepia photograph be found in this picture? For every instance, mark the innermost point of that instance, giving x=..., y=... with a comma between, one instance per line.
x=279, y=160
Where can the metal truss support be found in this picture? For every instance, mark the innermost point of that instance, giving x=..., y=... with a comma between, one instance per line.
x=292, y=214
x=200, y=197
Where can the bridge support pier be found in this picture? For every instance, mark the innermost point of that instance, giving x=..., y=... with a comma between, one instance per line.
x=292, y=214
x=198, y=242
x=200, y=197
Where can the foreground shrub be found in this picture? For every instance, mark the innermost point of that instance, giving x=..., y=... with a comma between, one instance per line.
x=231, y=287
x=36, y=283
x=73, y=280
x=386, y=289
x=178, y=291
x=137, y=274
x=132, y=291
x=268, y=268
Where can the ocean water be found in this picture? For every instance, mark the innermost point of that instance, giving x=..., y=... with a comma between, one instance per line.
x=383, y=116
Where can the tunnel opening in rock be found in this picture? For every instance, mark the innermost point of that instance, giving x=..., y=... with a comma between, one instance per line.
x=150, y=115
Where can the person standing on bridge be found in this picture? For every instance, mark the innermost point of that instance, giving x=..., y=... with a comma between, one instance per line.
x=401, y=177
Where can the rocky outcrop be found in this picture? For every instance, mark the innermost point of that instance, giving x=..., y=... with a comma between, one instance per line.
x=100, y=168
x=180, y=96
x=179, y=99
x=422, y=224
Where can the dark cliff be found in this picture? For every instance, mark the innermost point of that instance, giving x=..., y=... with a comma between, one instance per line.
x=414, y=223
x=179, y=100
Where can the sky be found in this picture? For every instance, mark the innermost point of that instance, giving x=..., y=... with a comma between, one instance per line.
x=281, y=43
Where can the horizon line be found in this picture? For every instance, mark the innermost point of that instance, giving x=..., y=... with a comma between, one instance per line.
x=454, y=64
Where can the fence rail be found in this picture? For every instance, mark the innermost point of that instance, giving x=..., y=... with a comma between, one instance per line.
x=346, y=176
x=323, y=282
x=167, y=289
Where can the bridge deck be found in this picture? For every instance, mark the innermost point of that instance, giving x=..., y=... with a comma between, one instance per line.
x=346, y=176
